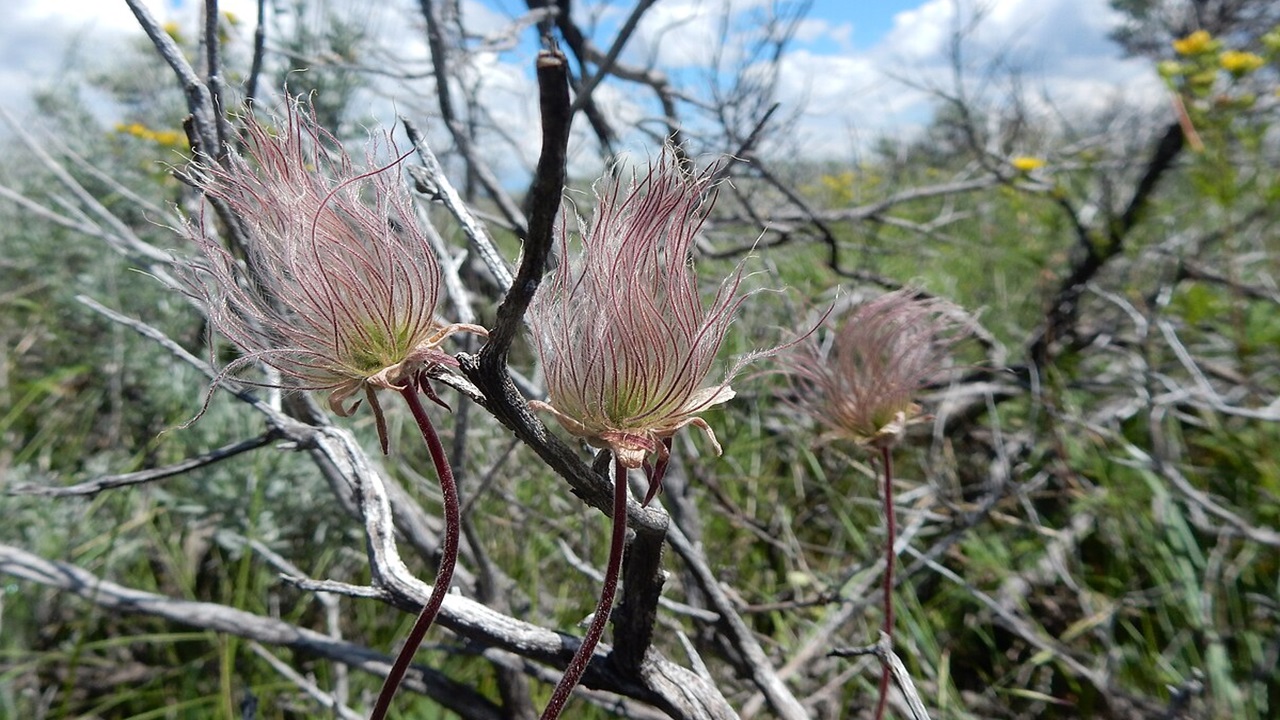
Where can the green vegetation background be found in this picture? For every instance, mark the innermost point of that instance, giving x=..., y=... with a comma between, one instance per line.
x=1087, y=542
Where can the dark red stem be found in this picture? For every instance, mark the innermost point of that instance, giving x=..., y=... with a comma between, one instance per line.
x=448, y=557
x=582, y=658
x=891, y=530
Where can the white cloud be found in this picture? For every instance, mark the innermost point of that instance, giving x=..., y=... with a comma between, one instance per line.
x=919, y=34
x=1059, y=46
x=848, y=94
x=686, y=34
x=813, y=30
x=41, y=40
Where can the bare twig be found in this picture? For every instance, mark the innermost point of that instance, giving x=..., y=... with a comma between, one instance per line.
x=220, y=618
x=199, y=100
x=606, y=64
x=576, y=40
x=213, y=78
x=544, y=208
x=432, y=181
x=883, y=650
x=440, y=57
x=97, y=485
x=259, y=53
x=763, y=674
x=328, y=701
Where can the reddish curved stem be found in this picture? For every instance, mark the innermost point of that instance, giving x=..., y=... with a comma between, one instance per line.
x=448, y=557
x=582, y=658
x=891, y=530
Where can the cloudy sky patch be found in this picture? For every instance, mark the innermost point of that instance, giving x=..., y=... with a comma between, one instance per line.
x=841, y=68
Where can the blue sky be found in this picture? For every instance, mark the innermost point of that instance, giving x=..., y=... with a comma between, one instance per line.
x=869, y=20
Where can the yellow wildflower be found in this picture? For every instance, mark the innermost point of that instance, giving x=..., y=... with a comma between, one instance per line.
x=1196, y=43
x=1240, y=63
x=839, y=186
x=1027, y=163
x=166, y=138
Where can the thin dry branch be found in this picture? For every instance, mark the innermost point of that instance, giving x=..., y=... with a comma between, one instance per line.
x=440, y=58
x=433, y=183
x=328, y=701
x=883, y=650
x=577, y=41
x=220, y=618
x=108, y=482
x=763, y=674
x=199, y=100
x=606, y=64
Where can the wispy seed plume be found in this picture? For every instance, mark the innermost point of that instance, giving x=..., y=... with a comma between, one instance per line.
x=861, y=380
x=339, y=288
x=624, y=334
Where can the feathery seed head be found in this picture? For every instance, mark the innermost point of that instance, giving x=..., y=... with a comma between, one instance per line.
x=862, y=380
x=622, y=329
x=339, y=286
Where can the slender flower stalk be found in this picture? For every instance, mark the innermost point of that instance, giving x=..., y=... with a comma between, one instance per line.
x=861, y=384
x=338, y=293
x=890, y=559
x=604, y=605
x=448, y=554
x=627, y=342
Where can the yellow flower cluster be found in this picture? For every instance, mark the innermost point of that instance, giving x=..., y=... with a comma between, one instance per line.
x=1205, y=60
x=1197, y=43
x=1240, y=63
x=839, y=186
x=1026, y=163
x=166, y=138
x=1271, y=41
x=838, y=182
